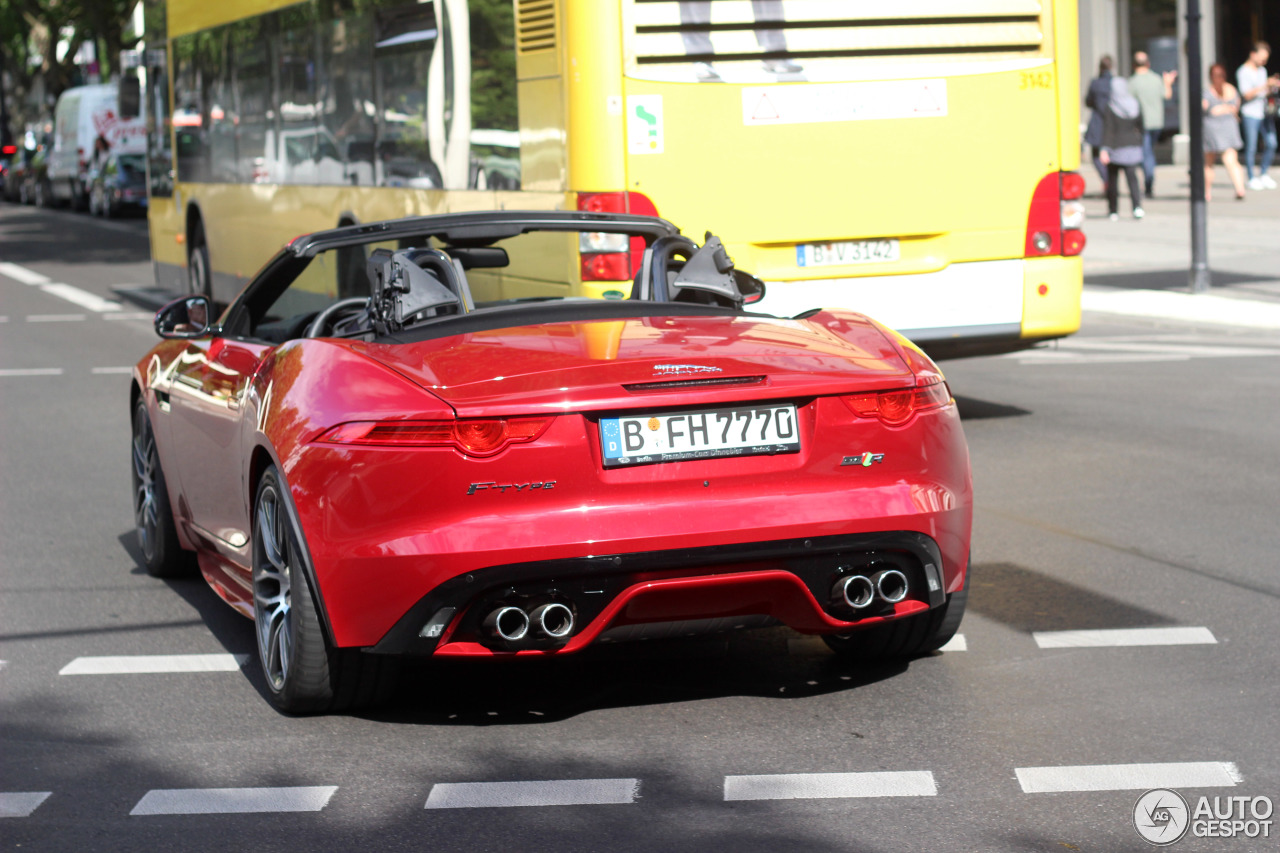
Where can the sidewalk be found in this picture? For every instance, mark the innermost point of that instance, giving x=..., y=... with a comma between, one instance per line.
x=1142, y=268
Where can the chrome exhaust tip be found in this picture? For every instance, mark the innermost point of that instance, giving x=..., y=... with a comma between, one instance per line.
x=507, y=623
x=856, y=591
x=552, y=620
x=891, y=585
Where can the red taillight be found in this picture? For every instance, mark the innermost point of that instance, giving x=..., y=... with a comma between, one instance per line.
x=613, y=265
x=1055, y=216
x=480, y=437
x=895, y=408
x=9, y=149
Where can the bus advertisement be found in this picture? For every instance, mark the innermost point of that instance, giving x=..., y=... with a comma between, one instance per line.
x=914, y=162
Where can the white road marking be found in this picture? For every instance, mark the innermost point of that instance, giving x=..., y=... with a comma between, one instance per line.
x=130, y=315
x=956, y=644
x=21, y=804
x=234, y=800
x=23, y=275
x=83, y=298
x=1123, y=637
x=4, y=319
x=559, y=792
x=55, y=318
x=1117, y=351
x=32, y=371
x=1127, y=777
x=813, y=786
x=105, y=370
x=1193, y=308
x=136, y=664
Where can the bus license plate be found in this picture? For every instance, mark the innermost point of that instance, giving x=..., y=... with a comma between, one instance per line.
x=847, y=252
x=706, y=434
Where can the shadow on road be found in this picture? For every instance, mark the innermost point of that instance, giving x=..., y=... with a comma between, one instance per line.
x=1030, y=601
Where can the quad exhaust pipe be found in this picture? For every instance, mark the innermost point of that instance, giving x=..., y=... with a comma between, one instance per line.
x=550, y=622
x=859, y=592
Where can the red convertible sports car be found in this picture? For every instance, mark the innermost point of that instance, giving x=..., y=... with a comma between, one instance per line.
x=370, y=462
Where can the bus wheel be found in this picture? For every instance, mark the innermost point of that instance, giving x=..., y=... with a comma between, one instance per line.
x=198, y=271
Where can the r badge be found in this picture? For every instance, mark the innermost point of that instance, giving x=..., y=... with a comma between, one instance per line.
x=864, y=459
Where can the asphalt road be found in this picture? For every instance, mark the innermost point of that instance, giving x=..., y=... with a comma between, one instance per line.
x=1126, y=480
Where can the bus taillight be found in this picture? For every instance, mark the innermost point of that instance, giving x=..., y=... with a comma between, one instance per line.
x=1055, y=216
x=611, y=257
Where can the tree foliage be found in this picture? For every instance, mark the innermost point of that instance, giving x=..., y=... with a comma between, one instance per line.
x=30, y=33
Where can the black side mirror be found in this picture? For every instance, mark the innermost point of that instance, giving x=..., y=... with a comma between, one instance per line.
x=188, y=317
x=130, y=96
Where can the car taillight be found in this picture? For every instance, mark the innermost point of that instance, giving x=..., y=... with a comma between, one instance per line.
x=612, y=257
x=1055, y=216
x=478, y=437
x=895, y=408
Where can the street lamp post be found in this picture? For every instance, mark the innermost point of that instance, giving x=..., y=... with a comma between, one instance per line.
x=1195, y=94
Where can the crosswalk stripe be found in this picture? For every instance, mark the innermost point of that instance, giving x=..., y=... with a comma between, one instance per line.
x=176, y=801
x=1123, y=637
x=136, y=664
x=813, y=786
x=21, y=804
x=23, y=275
x=560, y=792
x=1127, y=777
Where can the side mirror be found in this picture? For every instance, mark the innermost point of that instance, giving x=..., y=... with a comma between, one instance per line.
x=188, y=317
x=751, y=288
x=130, y=95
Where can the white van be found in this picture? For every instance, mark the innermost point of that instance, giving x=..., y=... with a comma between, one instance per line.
x=82, y=115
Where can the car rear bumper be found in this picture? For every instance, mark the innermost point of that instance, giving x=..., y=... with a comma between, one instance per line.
x=716, y=588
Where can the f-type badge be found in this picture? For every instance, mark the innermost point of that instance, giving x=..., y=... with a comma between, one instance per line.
x=683, y=369
x=866, y=460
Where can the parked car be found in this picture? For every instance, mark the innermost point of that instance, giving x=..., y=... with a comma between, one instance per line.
x=119, y=184
x=409, y=471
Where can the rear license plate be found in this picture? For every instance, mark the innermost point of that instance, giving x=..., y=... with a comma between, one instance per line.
x=847, y=252
x=705, y=434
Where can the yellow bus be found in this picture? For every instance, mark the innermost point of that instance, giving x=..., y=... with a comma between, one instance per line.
x=914, y=161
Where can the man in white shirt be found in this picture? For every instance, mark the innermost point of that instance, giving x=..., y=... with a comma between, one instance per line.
x=1253, y=83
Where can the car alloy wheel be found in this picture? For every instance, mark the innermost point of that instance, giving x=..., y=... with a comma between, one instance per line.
x=146, y=512
x=274, y=559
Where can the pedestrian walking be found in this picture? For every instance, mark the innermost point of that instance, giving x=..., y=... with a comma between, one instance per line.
x=1122, y=147
x=1151, y=90
x=1254, y=86
x=1096, y=99
x=1221, y=107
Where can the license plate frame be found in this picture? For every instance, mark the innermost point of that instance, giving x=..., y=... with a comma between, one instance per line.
x=776, y=432
x=848, y=252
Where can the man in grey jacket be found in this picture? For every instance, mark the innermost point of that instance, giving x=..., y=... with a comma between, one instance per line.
x=1151, y=90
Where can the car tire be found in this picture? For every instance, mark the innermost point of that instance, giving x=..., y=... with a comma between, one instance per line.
x=199, y=273
x=162, y=554
x=304, y=673
x=905, y=638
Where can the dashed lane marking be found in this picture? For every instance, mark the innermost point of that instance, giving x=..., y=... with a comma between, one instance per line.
x=182, y=801
x=130, y=315
x=32, y=371
x=956, y=644
x=83, y=298
x=815, y=646
x=21, y=804
x=1123, y=637
x=102, y=371
x=814, y=786
x=1127, y=777
x=23, y=275
x=138, y=664
x=560, y=792
x=55, y=318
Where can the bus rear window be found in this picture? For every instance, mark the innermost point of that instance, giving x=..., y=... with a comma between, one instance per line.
x=781, y=40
